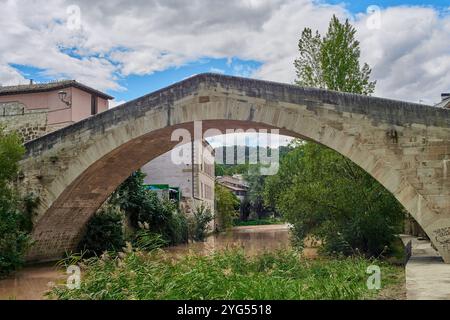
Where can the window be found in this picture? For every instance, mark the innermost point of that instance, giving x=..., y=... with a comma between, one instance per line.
x=94, y=106
x=208, y=192
x=209, y=169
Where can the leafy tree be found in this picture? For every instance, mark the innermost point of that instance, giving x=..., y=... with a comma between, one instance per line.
x=230, y=169
x=132, y=197
x=104, y=231
x=319, y=191
x=226, y=207
x=219, y=169
x=332, y=62
x=14, y=225
x=142, y=205
x=324, y=195
x=245, y=209
x=308, y=65
x=253, y=202
x=255, y=190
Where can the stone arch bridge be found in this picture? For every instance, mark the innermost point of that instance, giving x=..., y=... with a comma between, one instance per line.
x=405, y=146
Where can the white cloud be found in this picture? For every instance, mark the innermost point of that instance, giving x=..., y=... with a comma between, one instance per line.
x=32, y=35
x=410, y=53
x=114, y=103
x=10, y=76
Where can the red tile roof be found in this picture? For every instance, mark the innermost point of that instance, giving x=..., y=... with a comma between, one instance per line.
x=56, y=85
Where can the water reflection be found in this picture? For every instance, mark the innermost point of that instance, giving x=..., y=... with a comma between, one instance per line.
x=252, y=239
x=30, y=283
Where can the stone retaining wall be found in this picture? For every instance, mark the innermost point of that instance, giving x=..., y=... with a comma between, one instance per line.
x=30, y=124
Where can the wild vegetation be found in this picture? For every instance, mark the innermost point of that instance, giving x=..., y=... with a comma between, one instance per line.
x=131, y=207
x=321, y=193
x=199, y=223
x=332, y=61
x=141, y=205
x=230, y=274
x=227, y=206
x=104, y=232
x=15, y=212
x=252, y=206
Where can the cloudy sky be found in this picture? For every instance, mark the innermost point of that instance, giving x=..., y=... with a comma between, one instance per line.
x=129, y=48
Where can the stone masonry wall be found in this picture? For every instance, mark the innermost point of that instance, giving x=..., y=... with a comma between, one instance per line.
x=30, y=124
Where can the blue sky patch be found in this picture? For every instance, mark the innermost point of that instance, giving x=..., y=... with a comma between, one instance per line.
x=30, y=72
x=360, y=6
x=139, y=85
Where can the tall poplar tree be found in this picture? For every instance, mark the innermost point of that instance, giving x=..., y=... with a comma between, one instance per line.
x=320, y=192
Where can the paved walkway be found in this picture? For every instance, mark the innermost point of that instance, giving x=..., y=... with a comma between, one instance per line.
x=427, y=276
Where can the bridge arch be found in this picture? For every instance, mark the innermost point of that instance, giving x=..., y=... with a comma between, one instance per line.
x=405, y=146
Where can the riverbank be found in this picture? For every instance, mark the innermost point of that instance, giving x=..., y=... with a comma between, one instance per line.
x=265, y=251
x=31, y=282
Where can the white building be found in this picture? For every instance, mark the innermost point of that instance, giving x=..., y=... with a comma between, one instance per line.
x=445, y=103
x=195, y=183
x=235, y=184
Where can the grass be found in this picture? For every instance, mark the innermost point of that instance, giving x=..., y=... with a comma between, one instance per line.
x=226, y=275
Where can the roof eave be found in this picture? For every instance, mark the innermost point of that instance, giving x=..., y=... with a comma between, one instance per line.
x=443, y=104
x=68, y=84
x=92, y=90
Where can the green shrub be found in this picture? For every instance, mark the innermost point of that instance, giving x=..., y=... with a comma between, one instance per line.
x=163, y=217
x=13, y=241
x=141, y=205
x=199, y=223
x=14, y=224
x=178, y=227
x=148, y=241
x=104, y=232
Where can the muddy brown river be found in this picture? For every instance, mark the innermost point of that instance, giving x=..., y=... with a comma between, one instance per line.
x=32, y=282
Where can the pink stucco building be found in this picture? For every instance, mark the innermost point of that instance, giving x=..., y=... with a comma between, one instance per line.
x=64, y=102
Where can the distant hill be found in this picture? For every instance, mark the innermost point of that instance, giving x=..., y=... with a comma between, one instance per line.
x=223, y=167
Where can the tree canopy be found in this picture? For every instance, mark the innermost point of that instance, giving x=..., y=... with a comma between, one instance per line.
x=320, y=192
x=332, y=62
x=14, y=224
x=226, y=206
